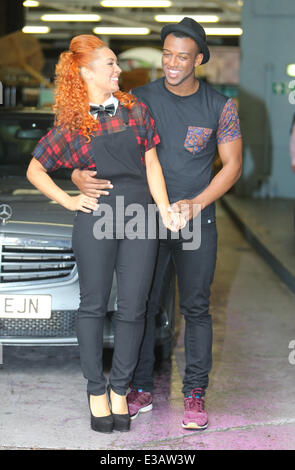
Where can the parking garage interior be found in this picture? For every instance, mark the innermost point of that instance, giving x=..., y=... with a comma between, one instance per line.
x=252, y=298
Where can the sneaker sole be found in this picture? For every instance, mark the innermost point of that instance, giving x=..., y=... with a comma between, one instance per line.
x=194, y=426
x=142, y=410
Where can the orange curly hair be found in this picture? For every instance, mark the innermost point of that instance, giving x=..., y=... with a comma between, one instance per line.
x=71, y=96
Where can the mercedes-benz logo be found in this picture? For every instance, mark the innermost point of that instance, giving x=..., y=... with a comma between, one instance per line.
x=5, y=213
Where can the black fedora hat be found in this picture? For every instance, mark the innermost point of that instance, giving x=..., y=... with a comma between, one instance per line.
x=192, y=29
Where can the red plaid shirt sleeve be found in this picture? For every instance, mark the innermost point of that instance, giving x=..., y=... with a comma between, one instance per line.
x=151, y=137
x=50, y=150
x=144, y=127
x=61, y=148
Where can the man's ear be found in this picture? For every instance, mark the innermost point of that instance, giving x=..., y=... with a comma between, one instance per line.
x=199, y=59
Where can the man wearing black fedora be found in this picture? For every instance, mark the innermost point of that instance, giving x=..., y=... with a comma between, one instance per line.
x=193, y=121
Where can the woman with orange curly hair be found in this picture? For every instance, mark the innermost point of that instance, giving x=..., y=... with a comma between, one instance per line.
x=99, y=127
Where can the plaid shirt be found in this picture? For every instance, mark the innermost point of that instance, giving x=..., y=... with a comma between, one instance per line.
x=62, y=148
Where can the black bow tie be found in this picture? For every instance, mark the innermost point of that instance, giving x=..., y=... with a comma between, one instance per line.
x=110, y=108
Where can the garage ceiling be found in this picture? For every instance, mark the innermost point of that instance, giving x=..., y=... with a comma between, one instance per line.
x=229, y=12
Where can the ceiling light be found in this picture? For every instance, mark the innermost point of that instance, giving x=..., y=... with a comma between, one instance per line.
x=66, y=17
x=31, y=3
x=290, y=70
x=120, y=31
x=177, y=18
x=136, y=3
x=223, y=31
x=36, y=29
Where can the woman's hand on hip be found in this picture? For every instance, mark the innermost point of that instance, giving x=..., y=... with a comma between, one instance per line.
x=82, y=203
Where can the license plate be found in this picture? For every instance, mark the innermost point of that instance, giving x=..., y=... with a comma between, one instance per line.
x=25, y=306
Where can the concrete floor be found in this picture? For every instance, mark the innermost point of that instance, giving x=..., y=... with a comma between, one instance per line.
x=250, y=399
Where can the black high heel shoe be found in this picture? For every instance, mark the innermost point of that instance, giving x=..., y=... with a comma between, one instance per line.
x=101, y=424
x=121, y=421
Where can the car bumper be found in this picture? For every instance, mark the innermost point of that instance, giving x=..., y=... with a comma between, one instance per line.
x=58, y=330
x=25, y=333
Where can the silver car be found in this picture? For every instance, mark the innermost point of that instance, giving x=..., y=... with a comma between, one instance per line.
x=39, y=289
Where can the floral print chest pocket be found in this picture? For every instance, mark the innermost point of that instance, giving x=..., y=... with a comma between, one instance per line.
x=197, y=139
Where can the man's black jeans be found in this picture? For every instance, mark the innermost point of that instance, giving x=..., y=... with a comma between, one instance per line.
x=195, y=272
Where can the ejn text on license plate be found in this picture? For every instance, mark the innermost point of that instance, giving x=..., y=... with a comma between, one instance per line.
x=25, y=306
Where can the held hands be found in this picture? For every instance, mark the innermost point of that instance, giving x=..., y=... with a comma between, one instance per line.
x=174, y=221
x=188, y=208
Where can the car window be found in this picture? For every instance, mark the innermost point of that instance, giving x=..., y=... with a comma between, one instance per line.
x=18, y=137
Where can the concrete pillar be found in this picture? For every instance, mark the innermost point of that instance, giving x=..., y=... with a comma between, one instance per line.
x=266, y=102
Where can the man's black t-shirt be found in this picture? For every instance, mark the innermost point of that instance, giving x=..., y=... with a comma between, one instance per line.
x=190, y=127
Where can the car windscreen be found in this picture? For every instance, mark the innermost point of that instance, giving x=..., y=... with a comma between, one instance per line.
x=19, y=135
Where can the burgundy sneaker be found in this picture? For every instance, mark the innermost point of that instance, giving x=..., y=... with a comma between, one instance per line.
x=195, y=416
x=139, y=401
